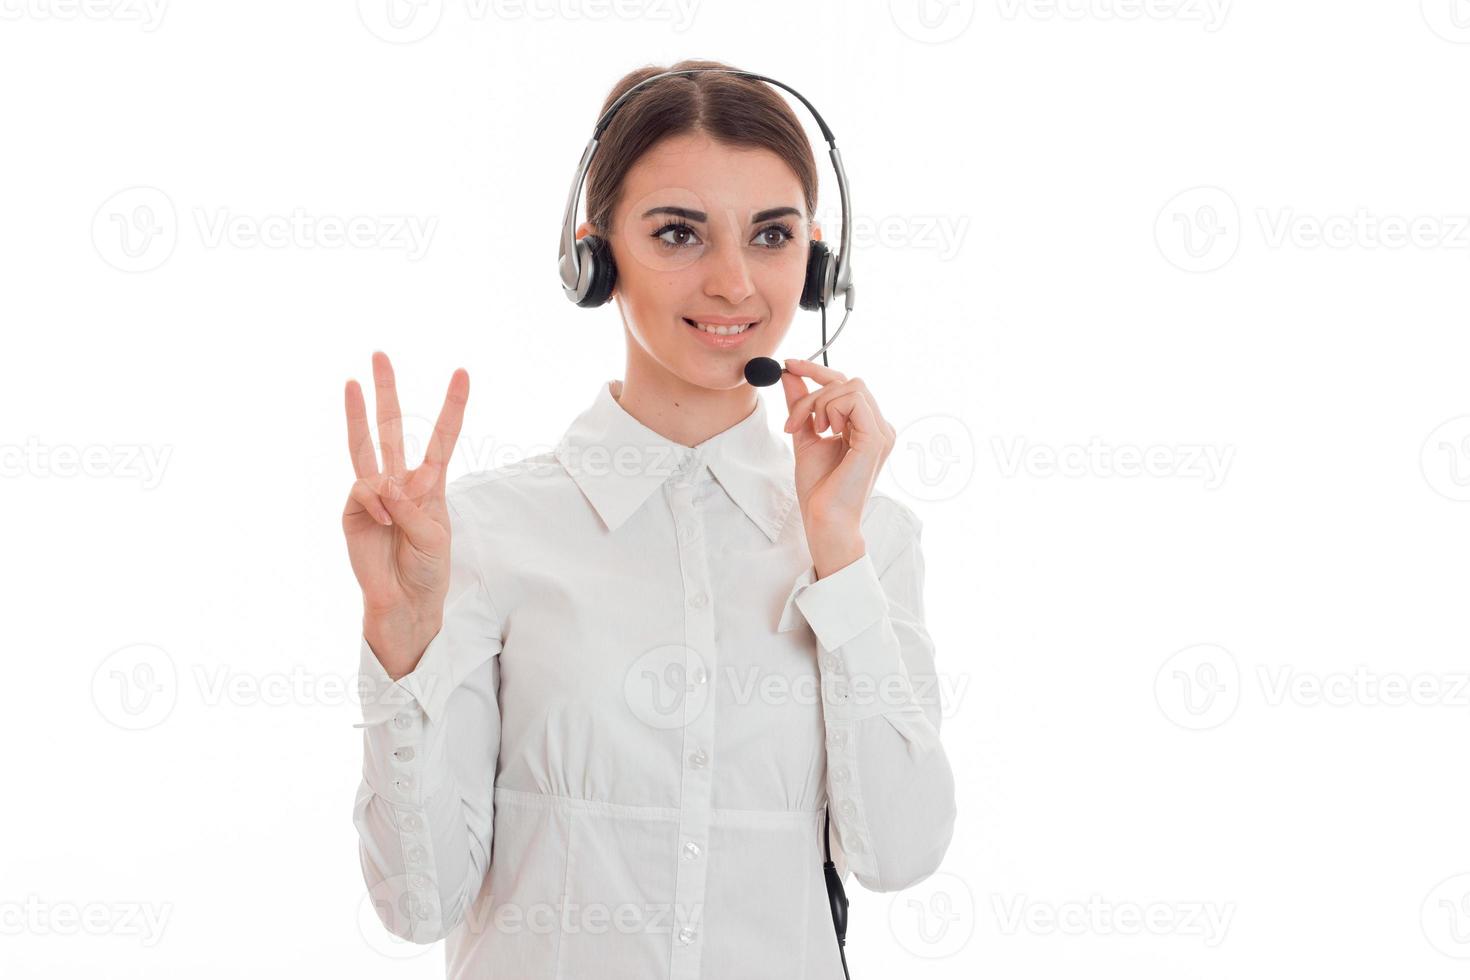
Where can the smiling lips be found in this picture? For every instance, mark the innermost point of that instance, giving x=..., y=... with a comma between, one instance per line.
x=722, y=332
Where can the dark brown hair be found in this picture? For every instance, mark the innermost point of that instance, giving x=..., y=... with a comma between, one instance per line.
x=732, y=110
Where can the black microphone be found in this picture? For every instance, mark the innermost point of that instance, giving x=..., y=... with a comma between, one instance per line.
x=765, y=371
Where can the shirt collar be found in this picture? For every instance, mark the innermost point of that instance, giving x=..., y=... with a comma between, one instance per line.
x=617, y=462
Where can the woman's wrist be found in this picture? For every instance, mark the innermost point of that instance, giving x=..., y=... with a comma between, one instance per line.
x=399, y=637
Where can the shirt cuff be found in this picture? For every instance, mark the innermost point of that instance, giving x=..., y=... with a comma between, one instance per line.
x=843, y=604
x=860, y=657
x=427, y=686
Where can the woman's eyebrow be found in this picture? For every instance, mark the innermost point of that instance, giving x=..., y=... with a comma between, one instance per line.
x=692, y=215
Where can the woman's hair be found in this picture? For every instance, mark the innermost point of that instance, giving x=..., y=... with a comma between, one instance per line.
x=730, y=109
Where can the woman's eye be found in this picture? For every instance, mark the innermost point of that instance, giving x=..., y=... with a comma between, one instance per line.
x=782, y=231
x=675, y=229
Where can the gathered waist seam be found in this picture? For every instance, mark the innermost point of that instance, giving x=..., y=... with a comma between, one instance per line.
x=627, y=811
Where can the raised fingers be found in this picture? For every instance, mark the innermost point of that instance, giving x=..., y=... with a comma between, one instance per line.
x=359, y=439
x=390, y=419
x=446, y=429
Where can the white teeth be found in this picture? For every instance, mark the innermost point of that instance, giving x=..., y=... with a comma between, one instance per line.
x=723, y=331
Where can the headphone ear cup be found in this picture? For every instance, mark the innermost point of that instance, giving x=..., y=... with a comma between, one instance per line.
x=818, y=267
x=602, y=271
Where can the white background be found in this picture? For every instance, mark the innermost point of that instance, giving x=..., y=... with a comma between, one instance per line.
x=1208, y=719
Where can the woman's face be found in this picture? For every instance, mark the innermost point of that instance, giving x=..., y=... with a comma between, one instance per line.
x=704, y=232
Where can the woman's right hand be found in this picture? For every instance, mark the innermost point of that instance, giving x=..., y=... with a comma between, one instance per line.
x=397, y=523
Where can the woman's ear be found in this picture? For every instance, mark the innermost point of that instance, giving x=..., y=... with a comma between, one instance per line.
x=586, y=228
x=816, y=231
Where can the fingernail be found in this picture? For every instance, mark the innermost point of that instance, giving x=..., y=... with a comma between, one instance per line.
x=386, y=520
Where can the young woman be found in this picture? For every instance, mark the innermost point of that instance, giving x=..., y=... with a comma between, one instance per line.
x=614, y=688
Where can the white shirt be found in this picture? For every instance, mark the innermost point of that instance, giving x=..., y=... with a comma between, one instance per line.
x=613, y=759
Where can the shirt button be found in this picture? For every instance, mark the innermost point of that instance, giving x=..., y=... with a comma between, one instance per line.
x=834, y=662
x=697, y=758
x=686, y=935
x=698, y=599
x=698, y=676
x=402, y=719
x=840, y=774
x=404, y=754
x=856, y=846
x=837, y=738
x=403, y=783
x=846, y=807
x=416, y=854
x=412, y=822
x=691, y=850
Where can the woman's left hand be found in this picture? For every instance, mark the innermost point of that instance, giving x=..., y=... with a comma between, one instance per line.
x=835, y=475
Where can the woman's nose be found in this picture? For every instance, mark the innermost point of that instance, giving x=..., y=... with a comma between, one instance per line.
x=727, y=274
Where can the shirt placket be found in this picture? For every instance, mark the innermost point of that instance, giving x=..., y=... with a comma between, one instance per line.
x=686, y=490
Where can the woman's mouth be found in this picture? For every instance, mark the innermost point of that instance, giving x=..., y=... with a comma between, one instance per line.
x=721, y=336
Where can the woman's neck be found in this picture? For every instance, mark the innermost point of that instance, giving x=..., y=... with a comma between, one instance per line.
x=681, y=412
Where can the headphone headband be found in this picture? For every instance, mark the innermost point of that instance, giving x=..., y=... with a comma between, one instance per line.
x=576, y=278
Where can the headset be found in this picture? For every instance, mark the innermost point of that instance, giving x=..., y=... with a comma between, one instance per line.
x=588, y=273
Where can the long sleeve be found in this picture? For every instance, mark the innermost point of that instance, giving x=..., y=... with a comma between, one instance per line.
x=425, y=809
x=888, y=778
